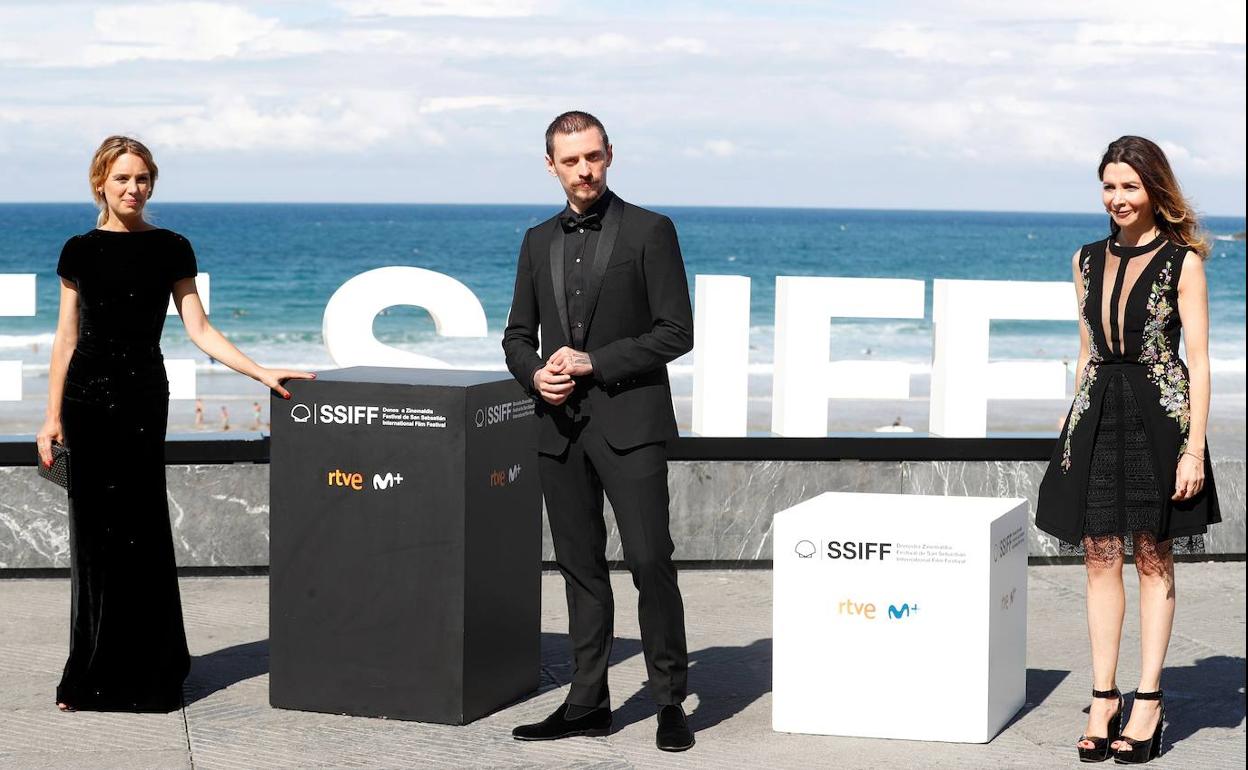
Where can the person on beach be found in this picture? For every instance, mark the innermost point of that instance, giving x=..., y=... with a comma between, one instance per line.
x=604, y=285
x=108, y=402
x=1131, y=471
x=225, y=417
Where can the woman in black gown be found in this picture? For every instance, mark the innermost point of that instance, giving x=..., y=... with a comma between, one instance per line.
x=108, y=399
x=1131, y=470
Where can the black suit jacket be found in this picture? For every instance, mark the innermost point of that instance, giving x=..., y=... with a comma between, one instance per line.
x=638, y=319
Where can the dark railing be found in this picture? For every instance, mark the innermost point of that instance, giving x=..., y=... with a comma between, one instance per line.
x=226, y=448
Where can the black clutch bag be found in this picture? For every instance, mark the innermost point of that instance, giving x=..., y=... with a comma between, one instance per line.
x=58, y=471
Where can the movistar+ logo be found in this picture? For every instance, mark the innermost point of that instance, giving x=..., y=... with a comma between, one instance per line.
x=868, y=611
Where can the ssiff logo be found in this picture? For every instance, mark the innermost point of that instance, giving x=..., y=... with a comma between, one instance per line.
x=504, y=412
x=493, y=415
x=850, y=550
x=335, y=414
x=847, y=550
x=1008, y=543
x=504, y=477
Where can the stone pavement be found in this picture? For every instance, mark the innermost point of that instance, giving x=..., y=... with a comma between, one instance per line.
x=227, y=722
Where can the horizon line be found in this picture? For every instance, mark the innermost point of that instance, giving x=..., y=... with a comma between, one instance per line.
x=648, y=205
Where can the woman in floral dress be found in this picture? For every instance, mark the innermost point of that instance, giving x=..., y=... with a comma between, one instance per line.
x=1131, y=470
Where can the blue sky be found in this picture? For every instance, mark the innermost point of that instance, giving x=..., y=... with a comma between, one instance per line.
x=969, y=104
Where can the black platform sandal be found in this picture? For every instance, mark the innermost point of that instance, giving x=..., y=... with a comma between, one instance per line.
x=1100, y=746
x=1137, y=751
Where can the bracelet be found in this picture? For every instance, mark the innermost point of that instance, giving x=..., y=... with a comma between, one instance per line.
x=1198, y=457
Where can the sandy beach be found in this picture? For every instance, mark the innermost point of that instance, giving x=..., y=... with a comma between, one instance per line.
x=239, y=395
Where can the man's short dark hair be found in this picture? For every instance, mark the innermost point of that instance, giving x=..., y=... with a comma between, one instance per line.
x=571, y=122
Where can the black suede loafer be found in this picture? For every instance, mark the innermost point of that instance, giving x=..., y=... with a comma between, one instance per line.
x=557, y=725
x=673, y=733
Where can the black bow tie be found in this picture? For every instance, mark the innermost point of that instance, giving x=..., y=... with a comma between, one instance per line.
x=572, y=222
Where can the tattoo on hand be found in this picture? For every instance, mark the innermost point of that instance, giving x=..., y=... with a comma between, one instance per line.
x=580, y=359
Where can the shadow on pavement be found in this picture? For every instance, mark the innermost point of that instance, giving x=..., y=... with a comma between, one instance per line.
x=557, y=660
x=1207, y=694
x=1041, y=682
x=729, y=679
x=725, y=679
x=223, y=668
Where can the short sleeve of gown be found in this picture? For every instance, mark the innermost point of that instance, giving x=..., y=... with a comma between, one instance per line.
x=67, y=265
x=181, y=259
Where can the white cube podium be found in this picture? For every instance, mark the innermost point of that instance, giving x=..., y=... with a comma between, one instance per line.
x=899, y=616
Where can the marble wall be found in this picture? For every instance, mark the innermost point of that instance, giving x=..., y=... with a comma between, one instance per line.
x=721, y=511
x=219, y=515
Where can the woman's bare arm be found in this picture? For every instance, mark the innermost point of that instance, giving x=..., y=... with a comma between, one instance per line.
x=63, y=344
x=1085, y=345
x=1194, y=313
x=208, y=339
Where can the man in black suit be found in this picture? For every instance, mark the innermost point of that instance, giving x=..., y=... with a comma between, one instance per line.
x=604, y=283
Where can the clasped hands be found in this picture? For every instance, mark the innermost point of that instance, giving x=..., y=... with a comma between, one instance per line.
x=553, y=381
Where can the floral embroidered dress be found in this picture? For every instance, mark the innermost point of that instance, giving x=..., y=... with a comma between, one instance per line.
x=1113, y=468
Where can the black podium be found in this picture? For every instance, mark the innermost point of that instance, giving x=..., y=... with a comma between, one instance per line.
x=405, y=545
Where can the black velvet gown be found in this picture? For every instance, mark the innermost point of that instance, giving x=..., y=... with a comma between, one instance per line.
x=127, y=649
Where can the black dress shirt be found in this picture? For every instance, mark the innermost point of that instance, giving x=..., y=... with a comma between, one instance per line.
x=579, y=244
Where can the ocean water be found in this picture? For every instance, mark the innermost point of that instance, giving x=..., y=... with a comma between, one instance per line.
x=273, y=268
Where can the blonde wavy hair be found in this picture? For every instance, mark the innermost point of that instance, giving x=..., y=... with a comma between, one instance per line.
x=109, y=151
x=1174, y=214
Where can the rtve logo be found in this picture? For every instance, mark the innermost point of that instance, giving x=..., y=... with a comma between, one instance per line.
x=867, y=610
x=505, y=477
x=355, y=480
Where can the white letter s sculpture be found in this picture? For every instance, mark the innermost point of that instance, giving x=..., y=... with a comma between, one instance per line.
x=348, y=323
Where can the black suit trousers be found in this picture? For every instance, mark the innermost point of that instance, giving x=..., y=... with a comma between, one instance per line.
x=635, y=481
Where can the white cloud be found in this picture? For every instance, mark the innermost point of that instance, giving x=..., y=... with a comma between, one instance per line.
x=689, y=45
x=1181, y=156
x=997, y=129
x=37, y=36
x=573, y=48
x=1188, y=30
x=180, y=31
x=459, y=103
x=207, y=31
x=714, y=148
x=331, y=124
x=74, y=126
x=912, y=41
x=1203, y=21
x=476, y=9
x=1174, y=151
x=975, y=85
